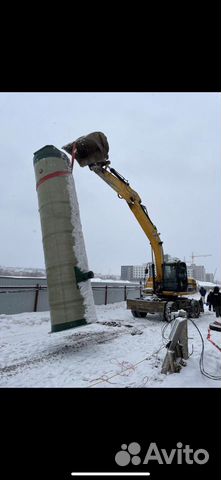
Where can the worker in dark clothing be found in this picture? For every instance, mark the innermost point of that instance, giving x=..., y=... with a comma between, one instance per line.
x=209, y=300
x=216, y=302
x=201, y=305
x=202, y=291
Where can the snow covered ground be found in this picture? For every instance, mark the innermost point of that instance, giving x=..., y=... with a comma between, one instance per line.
x=117, y=351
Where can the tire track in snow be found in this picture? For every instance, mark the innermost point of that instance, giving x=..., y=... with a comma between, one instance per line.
x=85, y=341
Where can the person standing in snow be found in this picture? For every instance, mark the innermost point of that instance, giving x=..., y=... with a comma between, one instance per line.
x=216, y=302
x=209, y=300
x=202, y=293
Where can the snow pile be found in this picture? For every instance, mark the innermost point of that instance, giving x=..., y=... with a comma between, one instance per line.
x=117, y=351
x=207, y=284
x=80, y=252
x=110, y=280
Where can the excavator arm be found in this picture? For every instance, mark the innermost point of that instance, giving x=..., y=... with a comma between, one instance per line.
x=92, y=151
x=122, y=187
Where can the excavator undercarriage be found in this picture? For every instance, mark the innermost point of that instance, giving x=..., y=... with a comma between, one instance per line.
x=162, y=306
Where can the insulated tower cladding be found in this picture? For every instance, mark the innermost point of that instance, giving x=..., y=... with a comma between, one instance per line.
x=69, y=288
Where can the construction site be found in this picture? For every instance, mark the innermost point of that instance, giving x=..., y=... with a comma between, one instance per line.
x=163, y=335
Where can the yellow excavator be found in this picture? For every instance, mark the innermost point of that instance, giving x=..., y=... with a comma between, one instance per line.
x=167, y=287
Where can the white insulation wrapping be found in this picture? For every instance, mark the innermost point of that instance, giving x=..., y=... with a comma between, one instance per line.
x=80, y=252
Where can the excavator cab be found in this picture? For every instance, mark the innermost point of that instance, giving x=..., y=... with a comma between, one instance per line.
x=175, y=277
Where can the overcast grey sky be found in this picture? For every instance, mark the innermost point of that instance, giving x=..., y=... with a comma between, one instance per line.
x=166, y=144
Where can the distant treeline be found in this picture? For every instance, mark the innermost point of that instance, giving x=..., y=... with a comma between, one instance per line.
x=22, y=272
x=40, y=272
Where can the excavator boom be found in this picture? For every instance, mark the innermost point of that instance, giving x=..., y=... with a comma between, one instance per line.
x=92, y=151
x=124, y=191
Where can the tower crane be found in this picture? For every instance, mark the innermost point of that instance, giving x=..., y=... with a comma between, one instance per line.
x=193, y=256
